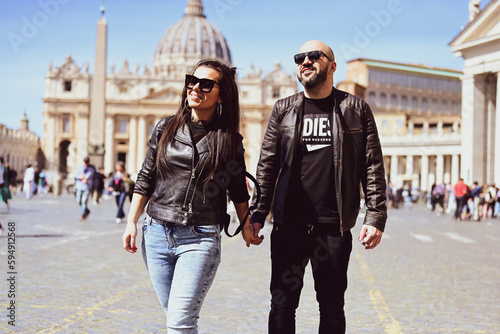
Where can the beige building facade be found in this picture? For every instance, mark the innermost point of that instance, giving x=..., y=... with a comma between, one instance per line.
x=109, y=115
x=417, y=111
x=20, y=147
x=479, y=45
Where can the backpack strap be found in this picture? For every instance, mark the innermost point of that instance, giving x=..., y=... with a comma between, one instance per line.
x=253, y=207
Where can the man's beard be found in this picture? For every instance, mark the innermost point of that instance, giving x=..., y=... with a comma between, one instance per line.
x=315, y=80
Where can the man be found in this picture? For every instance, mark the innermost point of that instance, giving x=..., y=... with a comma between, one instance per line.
x=460, y=191
x=82, y=177
x=319, y=146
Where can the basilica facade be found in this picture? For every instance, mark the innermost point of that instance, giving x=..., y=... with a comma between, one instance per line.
x=109, y=116
x=479, y=45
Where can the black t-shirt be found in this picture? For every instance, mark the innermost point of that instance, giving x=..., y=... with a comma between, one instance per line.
x=312, y=195
x=198, y=131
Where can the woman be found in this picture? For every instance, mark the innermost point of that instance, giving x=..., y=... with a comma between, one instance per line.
x=117, y=187
x=29, y=178
x=5, y=194
x=193, y=157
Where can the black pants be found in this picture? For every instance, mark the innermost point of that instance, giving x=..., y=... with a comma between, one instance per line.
x=461, y=201
x=292, y=247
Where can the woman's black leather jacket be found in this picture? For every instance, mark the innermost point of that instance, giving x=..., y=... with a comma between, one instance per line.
x=178, y=194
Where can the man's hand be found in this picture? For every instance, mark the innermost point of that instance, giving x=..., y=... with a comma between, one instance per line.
x=251, y=234
x=371, y=236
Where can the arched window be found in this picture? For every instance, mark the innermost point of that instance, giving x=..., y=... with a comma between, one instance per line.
x=404, y=102
x=394, y=101
x=383, y=100
x=425, y=104
x=414, y=103
x=434, y=105
x=372, y=98
x=445, y=106
x=122, y=126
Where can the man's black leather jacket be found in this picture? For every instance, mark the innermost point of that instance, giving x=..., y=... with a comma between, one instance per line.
x=178, y=195
x=357, y=155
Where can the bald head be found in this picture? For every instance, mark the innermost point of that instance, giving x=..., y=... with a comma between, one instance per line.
x=317, y=45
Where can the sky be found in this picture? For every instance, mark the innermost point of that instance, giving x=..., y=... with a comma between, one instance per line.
x=259, y=32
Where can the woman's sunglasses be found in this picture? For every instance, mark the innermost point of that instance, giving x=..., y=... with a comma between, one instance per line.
x=206, y=85
x=312, y=55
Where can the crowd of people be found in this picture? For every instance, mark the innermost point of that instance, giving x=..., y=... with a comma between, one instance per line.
x=91, y=183
x=465, y=202
x=473, y=202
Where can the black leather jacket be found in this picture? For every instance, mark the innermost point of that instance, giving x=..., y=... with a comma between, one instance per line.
x=178, y=195
x=357, y=155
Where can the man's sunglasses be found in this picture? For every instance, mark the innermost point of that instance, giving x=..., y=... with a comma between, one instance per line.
x=312, y=55
x=206, y=85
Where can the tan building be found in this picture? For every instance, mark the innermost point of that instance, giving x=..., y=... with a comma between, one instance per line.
x=20, y=147
x=417, y=110
x=110, y=116
x=479, y=44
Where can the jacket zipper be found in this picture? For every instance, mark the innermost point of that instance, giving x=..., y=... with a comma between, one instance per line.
x=336, y=117
x=190, y=205
x=193, y=175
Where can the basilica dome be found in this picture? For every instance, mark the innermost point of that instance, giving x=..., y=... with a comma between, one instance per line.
x=189, y=40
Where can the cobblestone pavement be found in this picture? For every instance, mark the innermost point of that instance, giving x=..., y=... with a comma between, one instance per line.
x=429, y=275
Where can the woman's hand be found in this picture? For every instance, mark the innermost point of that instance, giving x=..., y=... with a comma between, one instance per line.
x=251, y=234
x=129, y=237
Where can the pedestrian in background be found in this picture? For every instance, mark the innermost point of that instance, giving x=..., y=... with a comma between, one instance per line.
x=193, y=157
x=320, y=146
x=5, y=194
x=82, y=177
x=42, y=183
x=36, y=178
x=489, y=200
x=29, y=180
x=451, y=206
x=117, y=186
x=476, y=194
x=439, y=193
x=98, y=182
x=460, y=191
x=13, y=181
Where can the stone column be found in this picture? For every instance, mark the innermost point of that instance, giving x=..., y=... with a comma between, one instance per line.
x=455, y=174
x=141, y=142
x=82, y=138
x=497, y=134
x=473, y=121
x=394, y=168
x=132, y=146
x=50, y=140
x=409, y=165
x=439, y=168
x=109, y=145
x=424, y=179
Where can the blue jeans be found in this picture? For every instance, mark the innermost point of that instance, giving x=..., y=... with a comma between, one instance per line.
x=182, y=262
x=82, y=197
x=120, y=200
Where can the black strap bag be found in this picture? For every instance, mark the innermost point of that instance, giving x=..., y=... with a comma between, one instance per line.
x=226, y=219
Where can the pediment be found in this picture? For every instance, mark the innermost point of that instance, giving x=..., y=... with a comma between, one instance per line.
x=68, y=69
x=485, y=27
x=169, y=94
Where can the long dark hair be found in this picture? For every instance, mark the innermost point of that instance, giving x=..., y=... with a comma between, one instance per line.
x=222, y=142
